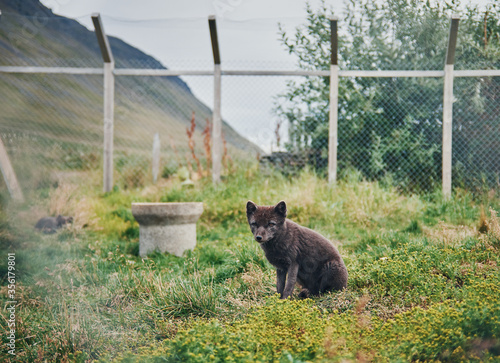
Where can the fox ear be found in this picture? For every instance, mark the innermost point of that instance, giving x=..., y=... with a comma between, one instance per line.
x=251, y=207
x=280, y=208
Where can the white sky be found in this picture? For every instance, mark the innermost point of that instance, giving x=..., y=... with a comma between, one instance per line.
x=176, y=33
x=147, y=9
x=130, y=19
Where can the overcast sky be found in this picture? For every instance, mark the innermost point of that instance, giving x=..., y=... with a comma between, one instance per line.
x=176, y=33
x=143, y=23
x=154, y=9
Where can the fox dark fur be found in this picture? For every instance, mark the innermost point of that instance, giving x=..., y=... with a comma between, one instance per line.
x=299, y=254
x=51, y=224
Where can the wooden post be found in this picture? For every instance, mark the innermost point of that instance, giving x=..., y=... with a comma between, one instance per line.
x=334, y=95
x=448, y=107
x=216, y=121
x=8, y=171
x=109, y=95
x=9, y=175
x=156, y=157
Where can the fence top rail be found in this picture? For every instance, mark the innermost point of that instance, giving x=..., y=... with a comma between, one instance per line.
x=390, y=74
x=477, y=73
x=320, y=73
x=160, y=72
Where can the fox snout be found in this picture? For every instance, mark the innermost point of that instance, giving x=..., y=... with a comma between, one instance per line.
x=261, y=235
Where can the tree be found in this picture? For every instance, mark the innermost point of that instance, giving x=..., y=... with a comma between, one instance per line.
x=476, y=114
x=390, y=126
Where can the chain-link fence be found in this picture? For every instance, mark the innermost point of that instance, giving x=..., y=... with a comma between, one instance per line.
x=389, y=128
x=51, y=124
x=476, y=132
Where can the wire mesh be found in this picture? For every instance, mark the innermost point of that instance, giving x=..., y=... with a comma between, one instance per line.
x=51, y=124
x=145, y=106
x=476, y=130
x=389, y=129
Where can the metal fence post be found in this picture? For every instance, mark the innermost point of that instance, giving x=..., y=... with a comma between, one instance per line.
x=156, y=157
x=216, y=121
x=9, y=175
x=8, y=172
x=334, y=95
x=448, y=107
x=109, y=96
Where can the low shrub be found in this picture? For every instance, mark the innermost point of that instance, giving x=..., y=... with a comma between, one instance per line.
x=268, y=333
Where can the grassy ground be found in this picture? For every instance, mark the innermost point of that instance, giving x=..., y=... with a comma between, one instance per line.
x=424, y=282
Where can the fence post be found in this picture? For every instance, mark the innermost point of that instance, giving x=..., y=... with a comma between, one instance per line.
x=8, y=172
x=448, y=107
x=9, y=175
x=109, y=96
x=334, y=95
x=216, y=121
x=156, y=157
x=217, y=127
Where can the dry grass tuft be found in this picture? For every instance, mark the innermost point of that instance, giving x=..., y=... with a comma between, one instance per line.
x=207, y=143
x=191, y=144
x=449, y=234
x=333, y=346
x=494, y=225
x=62, y=199
x=254, y=279
x=483, y=222
x=302, y=193
x=492, y=236
x=361, y=304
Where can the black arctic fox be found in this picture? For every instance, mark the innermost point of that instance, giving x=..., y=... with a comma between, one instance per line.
x=299, y=254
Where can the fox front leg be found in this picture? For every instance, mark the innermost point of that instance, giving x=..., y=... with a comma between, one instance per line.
x=280, y=281
x=290, y=280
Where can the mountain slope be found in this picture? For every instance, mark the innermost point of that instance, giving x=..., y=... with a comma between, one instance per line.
x=64, y=112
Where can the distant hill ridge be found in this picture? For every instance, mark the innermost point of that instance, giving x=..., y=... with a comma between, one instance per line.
x=32, y=35
x=83, y=43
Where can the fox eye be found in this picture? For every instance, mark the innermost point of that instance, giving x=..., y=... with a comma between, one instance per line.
x=253, y=224
x=271, y=224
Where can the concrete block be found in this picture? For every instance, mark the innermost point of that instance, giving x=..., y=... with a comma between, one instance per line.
x=166, y=227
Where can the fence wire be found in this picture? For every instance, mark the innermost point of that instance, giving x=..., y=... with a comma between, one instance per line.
x=389, y=129
x=145, y=106
x=51, y=124
x=476, y=130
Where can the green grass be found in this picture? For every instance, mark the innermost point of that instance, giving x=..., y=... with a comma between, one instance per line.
x=423, y=283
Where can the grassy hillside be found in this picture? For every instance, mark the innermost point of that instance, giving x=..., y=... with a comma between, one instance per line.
x=54, y=122
x=423, y=280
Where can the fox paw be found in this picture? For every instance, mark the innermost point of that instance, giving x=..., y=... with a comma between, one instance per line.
x=304, y=294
